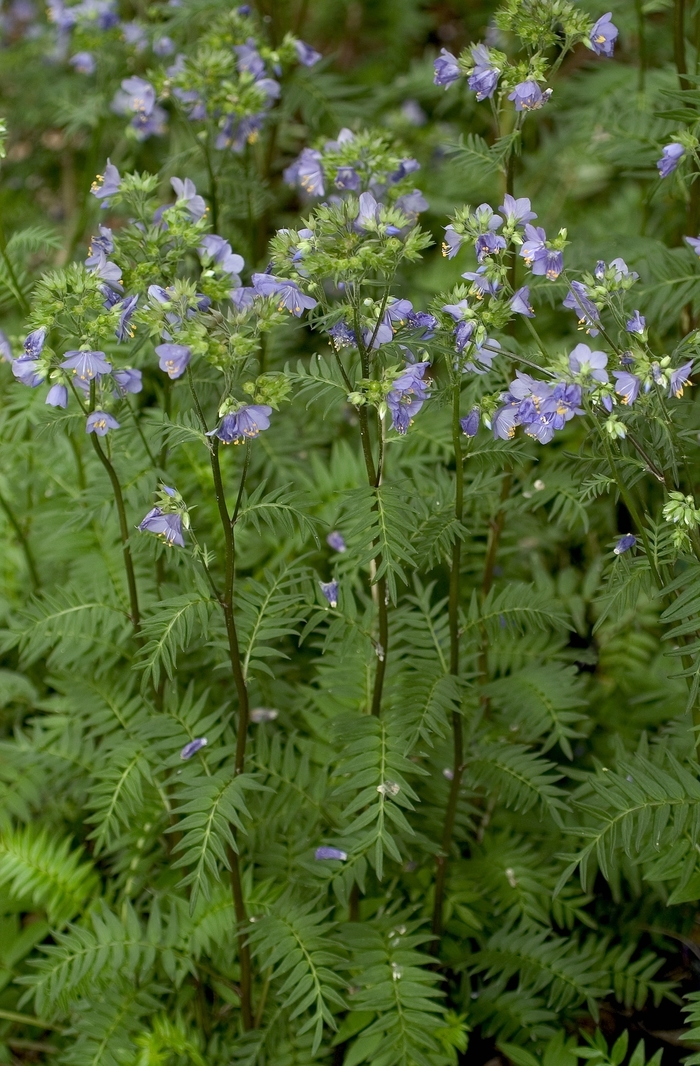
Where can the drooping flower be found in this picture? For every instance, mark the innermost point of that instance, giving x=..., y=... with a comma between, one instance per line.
x=470, y=424
x=323, y=853
x=128, y=379
x=330, y=591
x=637, y=323
x=173, y=359
x=578, y=300
x=446, y=68
x=100, y=423
x=336, y=541
x=188, y=197
x=306, y=55
x=679, y=379
x=452, y=242
x=627, y=386
x=516, y=212
x=193, y=747
x=244, y=424
x=102, y=243
x=671, y=155
x=57, y=396
x=520, y=302
x=165, y=524
x=406, y=166
x=86, y=365
x=288, y=294
x=219, y=251
x=587, y=363
x=5, y=348
x=484, y=77
x=83, y=63
x=625, y=543
x=604, y=35
x=528, y=96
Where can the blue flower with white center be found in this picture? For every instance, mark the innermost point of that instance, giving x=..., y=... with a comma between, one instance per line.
x=624, y=544
x=324, y=853
x=193, y=747
x=100, y=423
x=516, y=212
x=470, y=424
x=671, y=155
x=57, y=396
x=86, y=365
x=520, y=302
x=484, y=77
x=446, y=68
x=336, y=541
x=627, y=386
x=636, y=324
x=603, y=35
x=679, y=379
x=173, y=359
x=330, y=591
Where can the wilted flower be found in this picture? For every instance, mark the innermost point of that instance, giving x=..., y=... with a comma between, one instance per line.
x=86, y=365
x=165, y=524
x=484, y=77
x=336, y=542
x=604, y=35
x=446, y=68
x=187, y=197
x=100, y=423
x=244, y=424
x=625, y=543
x=193, y=747
x=470, y=424
x=57, y=396
x=330, y=591
x=324, y=852
x=173, y=359
x=342, y=336
x=679, y=379
x=671, y=156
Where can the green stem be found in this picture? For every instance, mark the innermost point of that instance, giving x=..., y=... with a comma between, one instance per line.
x=14, y=285
x=632, y=508
x=23, y=541
x=29, y=1019
x=679, y=43
x=124, y=530
x=642, y=45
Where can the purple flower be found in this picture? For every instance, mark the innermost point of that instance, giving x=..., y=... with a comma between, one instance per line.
x=562, y=404
x=407, y=395
x=520, y=302
x=627, y=386
x=173, y=359
x=625, y=543
x=127, y=310
x=670, y=158
x=422, y=320
x=583, y=361
x=83, y=62
x=368, y=212
x=193, y=747
x=413, y=113
x=637, y=323
x=108, y=272
x=86, y=365
x=136, y=96
x=534, y=246
x=578, y=300
x=306, y=55
x=504, y=422
x=288, y=294
x=694, y=243
x=187, y=197
x=516, y=212
x=324, y=853
x=104, y=243
x=34, y=343
x=100, y=422
x=446, y=68
x=463, y=334
x=219, y=251
x=484, y=77
x=57, y=396
x=679, y=379
x=342, y=336
x=348, y=179
x=330, y=591
x=163, y=46
x=336, y=541
x=242, y=298
x=452, y=242
x=410, y=205
x=249, y=58
x=528, y=96
x=5, y=349
x=481, y=285
x=470, y=424
x=27, y=371
x=307, y=172
x=128, y=379
x=457, y=311
x=406, y=166
x=244, y=424
x=165, y=524
x=396, y=313
x=377, y=335
x=604, y=35
x=487, y=244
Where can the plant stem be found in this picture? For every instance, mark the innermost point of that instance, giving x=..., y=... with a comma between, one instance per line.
x=642, y=45
x=495, y=531
x=124, y=530
x=632, y=508
x=24, y=542
x=679, y=42
x=14, y=285
x=458, y=742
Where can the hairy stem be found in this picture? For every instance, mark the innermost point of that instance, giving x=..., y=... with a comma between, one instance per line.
x=124, y=530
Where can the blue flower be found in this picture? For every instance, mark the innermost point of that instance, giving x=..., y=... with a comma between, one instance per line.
x=188, y=198
x=520, y=302
x=219, y=251
x=163, y=46
x=173, y=359
x=528, y=96
x=342, y=336
x=562, y=404
x=136, y=96
x=422, y=320
x=109, y=273
x=627, y=386
x=470, y=424
x=165, y=524
x=193, y=747
x=534, y=246
x=287, y=293
x=306, y=55
x=410, y=204
x=406, y=166
x=577, y=299
x=325, y=852
x=588, y=364
x=484, y=77
x=336, y=541
x=348, y=179
x=83, y=63
x=244, y=424
x=396, y=313
x=604, y=35
x=694, y=243
x=452, y=242
x=307, y=172
x=516, y=212
x=487, y=244
x=446, y=68
x=671, y=156
x=679, y=379
x=128, y=307
x=624, y=544
x=368, y=212
x=34, y=343
x=637, y=323
x=128, y=379
x=104, y=243
x=100, y=422
x=457, y=311
x=5, y=349
x=57, y=396
x=377, y=335
x=249, y=59
x=330, y=591
x=28, y=371
x=463, y=333
x=86, y=365
x=407, y=396
x=481, y=285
